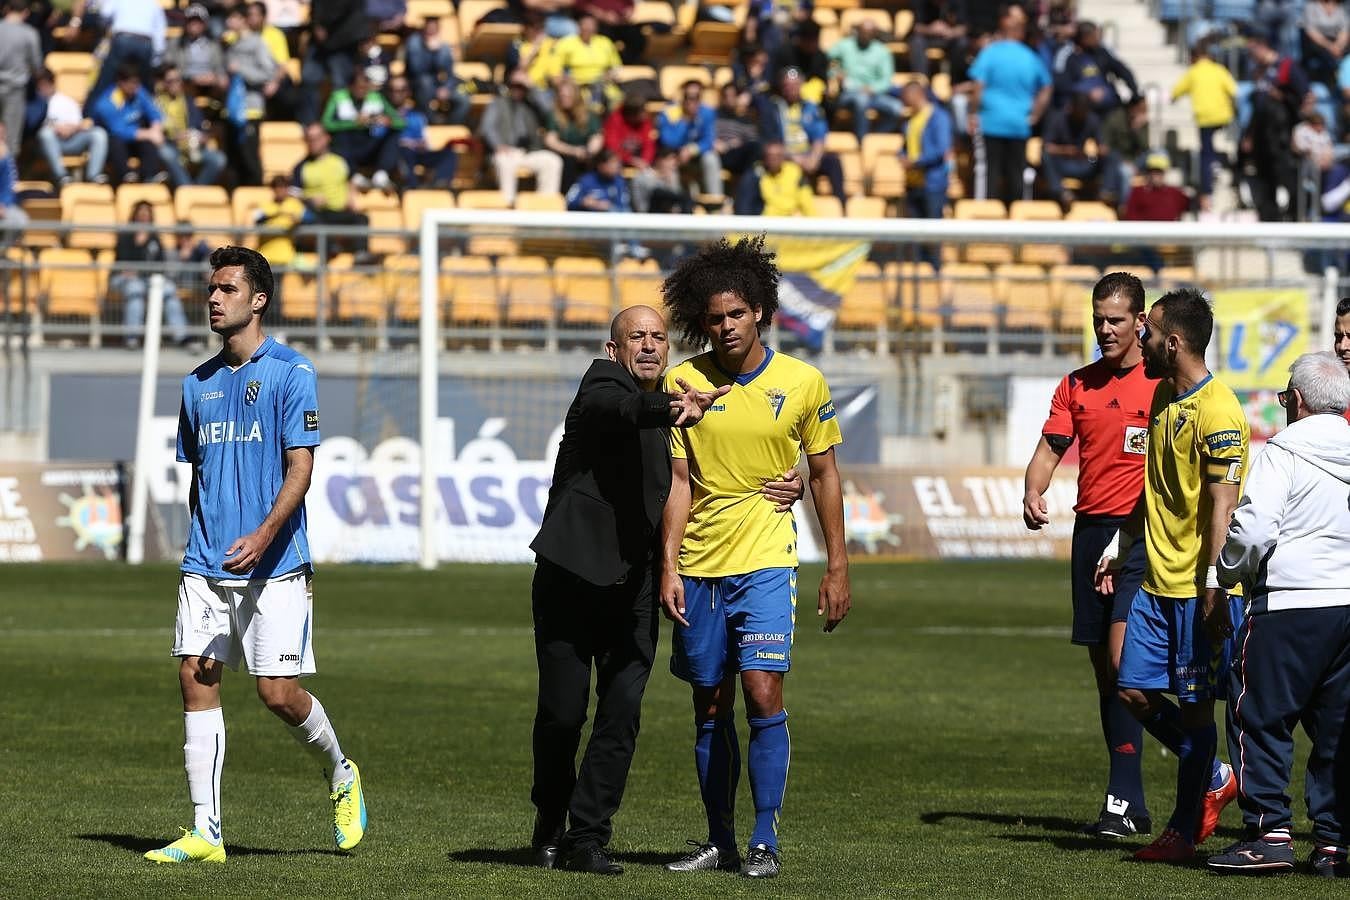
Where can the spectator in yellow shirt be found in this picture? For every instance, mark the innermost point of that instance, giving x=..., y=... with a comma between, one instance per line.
x=775, y=187
x=588, y=56
x=284, y=212
x=1213, y=92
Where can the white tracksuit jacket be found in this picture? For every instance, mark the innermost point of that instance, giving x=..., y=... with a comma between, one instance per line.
x=1289, y=541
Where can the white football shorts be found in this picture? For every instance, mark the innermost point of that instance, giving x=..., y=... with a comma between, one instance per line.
x=268, y=624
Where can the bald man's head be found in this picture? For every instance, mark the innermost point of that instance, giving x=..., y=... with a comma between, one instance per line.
x=638, y=342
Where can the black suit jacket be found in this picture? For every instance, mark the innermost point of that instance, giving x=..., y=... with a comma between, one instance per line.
x=610, y=480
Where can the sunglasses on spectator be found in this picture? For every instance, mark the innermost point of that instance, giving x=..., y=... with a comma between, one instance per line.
x=1285, y=396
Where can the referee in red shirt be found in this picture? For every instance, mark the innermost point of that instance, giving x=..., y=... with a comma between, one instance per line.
x=1105, y=407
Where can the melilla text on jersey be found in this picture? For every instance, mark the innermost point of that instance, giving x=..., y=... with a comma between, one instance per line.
x=228, y=432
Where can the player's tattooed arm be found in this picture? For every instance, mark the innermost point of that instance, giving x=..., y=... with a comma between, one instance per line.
x=244, y=554
x=1049, y=451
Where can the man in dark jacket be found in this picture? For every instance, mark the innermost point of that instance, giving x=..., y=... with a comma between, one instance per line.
x=1087, y=67
x=337, y=27
x=593, y=596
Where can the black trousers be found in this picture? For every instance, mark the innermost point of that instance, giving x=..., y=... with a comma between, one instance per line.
x=1292, y=667
x=577, y=627
x=1004, y=160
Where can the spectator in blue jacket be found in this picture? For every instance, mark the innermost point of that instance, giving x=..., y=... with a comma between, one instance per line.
x=927, y=152
x=1012, y=89
x=690, y=129
x=431, y=66
x=1086, y=67
x=439, y=164
x=602, y=189
x=134, y=125
x=801, y=127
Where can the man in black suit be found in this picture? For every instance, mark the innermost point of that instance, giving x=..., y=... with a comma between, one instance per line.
x=593, y=595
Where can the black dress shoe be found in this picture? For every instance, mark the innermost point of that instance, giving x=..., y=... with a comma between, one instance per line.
x=546, y=842
x=545, y=856
x=591, y=858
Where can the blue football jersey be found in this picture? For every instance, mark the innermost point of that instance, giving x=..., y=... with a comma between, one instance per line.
x=235, y=428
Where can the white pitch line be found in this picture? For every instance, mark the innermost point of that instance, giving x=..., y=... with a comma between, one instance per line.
x=520, y=630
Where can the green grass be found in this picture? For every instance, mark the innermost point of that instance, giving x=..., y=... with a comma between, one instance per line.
x=945, y=743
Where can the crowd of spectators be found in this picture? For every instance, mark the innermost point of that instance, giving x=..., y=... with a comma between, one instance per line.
x=1033, y=104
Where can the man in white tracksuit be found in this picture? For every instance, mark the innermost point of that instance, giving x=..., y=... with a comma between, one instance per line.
x=1289, y=546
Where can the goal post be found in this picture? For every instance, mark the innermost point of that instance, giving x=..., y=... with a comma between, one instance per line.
x=456, y=230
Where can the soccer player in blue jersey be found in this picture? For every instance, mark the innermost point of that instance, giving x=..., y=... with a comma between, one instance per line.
x=249, y=423
x=729, y=572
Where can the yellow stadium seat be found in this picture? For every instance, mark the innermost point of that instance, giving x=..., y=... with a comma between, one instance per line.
x=73, y=73
x=362, y=296
x=385, y=219
x=941, y=86
x=879, y=17
x=637, y=282
x=214, y=222
x=1025, y=293
x=841, y=142
x=245, y=202
x=365, y=201
x=79, y=192
x=190, y=195
x=855, y=181
x=712, y=43
x=417, y=202
x=281, y=147
x=1170, y=277
x=903, y=25
x=538, y=202
x=584, y=288
x=90, y=213
x=888, y=177
x=661, y=27
x=828, y=207
x=984, y=210
x=527, y=286
x=866, y=208
x=40, y=210
x=969, y=292
x=19, y=286
x=876, y=145
x=487, y=245
x=471, y=287
x=867, y=304
x=1090, y=211
x=68, y=283
x=1039, y=211
x=299, y=297
x=157, y=195
x=672, y=77
x=402, y=278
x=626, y=74
x=421, y=10
x=919, y=298
x=1071, y=293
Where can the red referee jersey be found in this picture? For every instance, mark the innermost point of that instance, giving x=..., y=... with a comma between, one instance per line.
x=1106, y=410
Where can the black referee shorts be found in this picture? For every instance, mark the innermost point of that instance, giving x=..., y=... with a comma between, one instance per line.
x=1093, y=613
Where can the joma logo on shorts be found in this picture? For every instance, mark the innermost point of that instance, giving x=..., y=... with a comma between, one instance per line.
x=290, y=657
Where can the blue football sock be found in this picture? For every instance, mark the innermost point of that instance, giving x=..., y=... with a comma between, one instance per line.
x=1124, y=743
x=1193, y=773
x=1165, y=725
x=717, y=754
x=770, y=748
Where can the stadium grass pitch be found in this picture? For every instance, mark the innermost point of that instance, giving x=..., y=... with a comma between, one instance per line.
x=945, y=743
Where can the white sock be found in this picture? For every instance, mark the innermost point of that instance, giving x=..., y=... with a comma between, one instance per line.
x=204, y=757
x=317, y=735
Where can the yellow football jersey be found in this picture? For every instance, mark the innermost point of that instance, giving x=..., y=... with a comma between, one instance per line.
x=751, y=435
x=1198, y=436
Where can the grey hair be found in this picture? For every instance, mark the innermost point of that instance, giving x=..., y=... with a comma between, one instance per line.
x=1321, y=380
